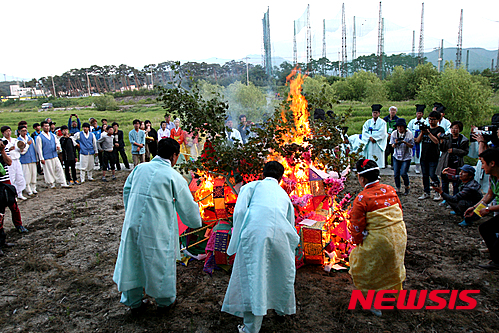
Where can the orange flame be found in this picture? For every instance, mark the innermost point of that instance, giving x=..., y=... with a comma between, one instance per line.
x=203, y=194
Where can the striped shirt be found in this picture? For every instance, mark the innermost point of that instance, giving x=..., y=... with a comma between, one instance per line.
x=6, y=167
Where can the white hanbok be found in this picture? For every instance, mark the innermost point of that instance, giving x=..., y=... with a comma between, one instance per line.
x=377, y=131
x=416, y=149
x=16, y=175
x=86, y=161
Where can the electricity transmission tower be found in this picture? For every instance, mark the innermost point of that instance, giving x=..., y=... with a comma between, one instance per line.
x=413, y=52
x=309, y=37
x=459, y=52
x=324, y=38
x=354, y=41
x=421, y=37
x=344, y=68
x=380, y=42
x=266, y=44
x=295, y=51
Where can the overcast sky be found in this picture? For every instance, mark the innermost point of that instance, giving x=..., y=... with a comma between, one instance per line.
x=43, y=38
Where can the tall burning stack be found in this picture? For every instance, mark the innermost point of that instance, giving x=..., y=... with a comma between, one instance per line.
x=321, y=215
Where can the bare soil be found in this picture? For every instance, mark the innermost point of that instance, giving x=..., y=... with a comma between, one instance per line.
x=58, y=277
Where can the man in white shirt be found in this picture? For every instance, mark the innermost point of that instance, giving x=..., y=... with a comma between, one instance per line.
x=15, y=169
x=169, y=124
x=47, y=146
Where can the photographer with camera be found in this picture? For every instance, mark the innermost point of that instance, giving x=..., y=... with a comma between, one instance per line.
x=469, y=193
x=485, y=136
x=430, y=139
x=454, y=147
x=413, y=126
x=489, y=229
x=402, y=142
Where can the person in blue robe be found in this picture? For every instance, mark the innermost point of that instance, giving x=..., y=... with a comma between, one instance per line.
x=153, y=195
x=264, y=240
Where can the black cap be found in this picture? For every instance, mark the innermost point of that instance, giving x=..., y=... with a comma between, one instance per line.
x=376, y=107
x=401, y=122
x=420, y=107
x=441, y=109
x=437, y=105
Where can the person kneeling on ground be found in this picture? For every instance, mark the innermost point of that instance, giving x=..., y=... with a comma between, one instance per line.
x=489, y=229
x=265, y=239
x=378, y=230
x=469, y=194
x=153, y=195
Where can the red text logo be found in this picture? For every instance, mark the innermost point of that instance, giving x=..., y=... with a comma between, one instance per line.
x=410, y=300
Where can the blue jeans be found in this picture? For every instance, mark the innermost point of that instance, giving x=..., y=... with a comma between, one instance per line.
x=400, y=168
x=428, y=170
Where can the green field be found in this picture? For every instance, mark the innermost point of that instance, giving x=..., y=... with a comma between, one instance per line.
x=360, y=113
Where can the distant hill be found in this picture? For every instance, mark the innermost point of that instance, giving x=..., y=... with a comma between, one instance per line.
x=480, y=58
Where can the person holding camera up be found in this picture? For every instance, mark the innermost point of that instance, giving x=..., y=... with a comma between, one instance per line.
x=402, y=142
x=489, y=229
x=454, y=147
x=413, y=126
x=430, y=138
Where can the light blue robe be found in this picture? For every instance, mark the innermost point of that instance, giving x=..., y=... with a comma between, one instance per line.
x=414, y=128
x=376, y=130
x=264, y=239
x=153, y=195
x=355, y=141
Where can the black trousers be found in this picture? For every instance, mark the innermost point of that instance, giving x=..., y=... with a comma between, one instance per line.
x=388, y=152
x=461, y=206
x=108, y=159
x=121, y=151
x=70, y=164
x=488, y=231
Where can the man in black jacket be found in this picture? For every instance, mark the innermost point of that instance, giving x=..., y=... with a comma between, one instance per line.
x=69, y=156
x=469, y=194
x=119, y=147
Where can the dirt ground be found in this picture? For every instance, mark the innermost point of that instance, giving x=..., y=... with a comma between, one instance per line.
x=58, y=277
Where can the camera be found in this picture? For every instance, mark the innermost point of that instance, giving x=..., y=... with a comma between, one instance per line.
x=5, y=142
x=489, y=132
x=422, y=125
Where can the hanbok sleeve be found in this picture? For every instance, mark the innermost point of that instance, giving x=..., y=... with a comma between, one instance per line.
x=242, y=203
x=357, y=223
x=127, y=188
x=39, y=147
x=186, y=207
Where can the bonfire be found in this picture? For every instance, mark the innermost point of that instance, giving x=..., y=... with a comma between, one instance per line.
x=321, y=213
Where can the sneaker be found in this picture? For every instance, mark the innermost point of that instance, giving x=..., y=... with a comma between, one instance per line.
x=30, y=194
x=437, y=197
x=35, y=192
x=240, y=329
x=398, y=192
x=424, y=196
x=443, y=203
x=65, y=186
x=77, y=182
x=491, y=266
x=71, y=182
x=452, y=212
x=22, y=197
x=464, y=224
x=113, y=177
x=21, y=229
x=104, y=179
x=91, y=179
x=407, y=188
x=52, y=186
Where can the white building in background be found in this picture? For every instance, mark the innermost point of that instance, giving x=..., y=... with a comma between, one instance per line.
x=18, y=91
